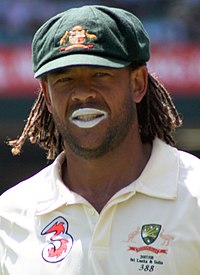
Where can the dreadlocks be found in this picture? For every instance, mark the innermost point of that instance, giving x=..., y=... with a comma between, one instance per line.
x=157, y=117
x=157, y=114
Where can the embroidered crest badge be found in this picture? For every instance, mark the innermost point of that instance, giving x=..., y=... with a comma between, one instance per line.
x=77, y=37
x=150, y=232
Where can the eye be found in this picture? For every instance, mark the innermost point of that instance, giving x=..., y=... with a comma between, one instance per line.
x=63, y=80
x=101, y=74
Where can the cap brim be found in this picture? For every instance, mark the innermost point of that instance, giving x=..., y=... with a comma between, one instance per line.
x=80, y=60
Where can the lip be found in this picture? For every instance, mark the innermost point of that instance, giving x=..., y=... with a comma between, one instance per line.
x=87, y=117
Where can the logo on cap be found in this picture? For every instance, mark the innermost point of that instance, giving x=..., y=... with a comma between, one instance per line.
x=77, y=37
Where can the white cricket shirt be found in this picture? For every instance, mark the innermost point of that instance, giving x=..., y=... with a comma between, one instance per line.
x=150, y=227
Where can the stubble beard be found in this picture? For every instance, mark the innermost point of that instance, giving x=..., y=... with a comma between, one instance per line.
x=114, y=136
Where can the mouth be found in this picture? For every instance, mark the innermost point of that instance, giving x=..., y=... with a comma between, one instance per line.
x=87, y=117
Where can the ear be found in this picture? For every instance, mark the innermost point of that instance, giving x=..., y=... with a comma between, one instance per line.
x=139, y=80
x=44, y=88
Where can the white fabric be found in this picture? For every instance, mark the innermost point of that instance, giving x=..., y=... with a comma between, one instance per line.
x=151, y=226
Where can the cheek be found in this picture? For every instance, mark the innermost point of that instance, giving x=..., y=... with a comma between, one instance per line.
x=58, y=101
x=56, y=108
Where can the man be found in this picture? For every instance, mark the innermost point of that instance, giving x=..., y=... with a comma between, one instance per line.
x=119, y=198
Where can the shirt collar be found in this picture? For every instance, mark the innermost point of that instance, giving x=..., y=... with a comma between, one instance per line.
x=51, y=194
x=160, y=176
x=159, y=179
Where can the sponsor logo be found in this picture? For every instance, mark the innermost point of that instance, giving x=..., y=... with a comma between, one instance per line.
x=60, y=242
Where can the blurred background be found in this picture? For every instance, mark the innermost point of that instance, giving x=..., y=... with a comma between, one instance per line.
x=174, y=29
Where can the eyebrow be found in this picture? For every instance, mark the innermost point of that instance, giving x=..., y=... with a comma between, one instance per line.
x=60, y=71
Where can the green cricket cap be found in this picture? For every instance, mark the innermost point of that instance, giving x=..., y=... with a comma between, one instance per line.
x=90, y=35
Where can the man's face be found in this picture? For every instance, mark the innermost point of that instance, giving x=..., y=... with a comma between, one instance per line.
x=93, y=108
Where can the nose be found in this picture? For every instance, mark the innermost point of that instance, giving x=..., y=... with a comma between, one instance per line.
x=83, y=91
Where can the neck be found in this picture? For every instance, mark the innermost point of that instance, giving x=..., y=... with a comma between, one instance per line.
x=97, y=180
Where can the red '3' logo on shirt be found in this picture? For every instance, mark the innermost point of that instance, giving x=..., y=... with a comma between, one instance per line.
x=59, y=240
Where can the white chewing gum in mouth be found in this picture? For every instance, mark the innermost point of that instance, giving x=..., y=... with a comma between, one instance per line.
x=87, y=117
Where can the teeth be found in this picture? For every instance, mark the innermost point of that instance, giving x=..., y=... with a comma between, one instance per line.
x=87, y=117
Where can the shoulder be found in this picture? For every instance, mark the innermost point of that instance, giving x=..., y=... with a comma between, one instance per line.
x=29, y=192
x=189, y=161
x=185, y=161
x=177, y=166
x=24, y=193
x=189, y=164
x=189, y=173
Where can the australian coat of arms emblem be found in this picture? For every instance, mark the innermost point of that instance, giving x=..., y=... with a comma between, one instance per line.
x=77, y=37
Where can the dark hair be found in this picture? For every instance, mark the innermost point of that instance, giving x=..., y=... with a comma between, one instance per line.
x=157, y=117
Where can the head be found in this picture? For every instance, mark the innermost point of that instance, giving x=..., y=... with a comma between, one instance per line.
x=95, y=36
